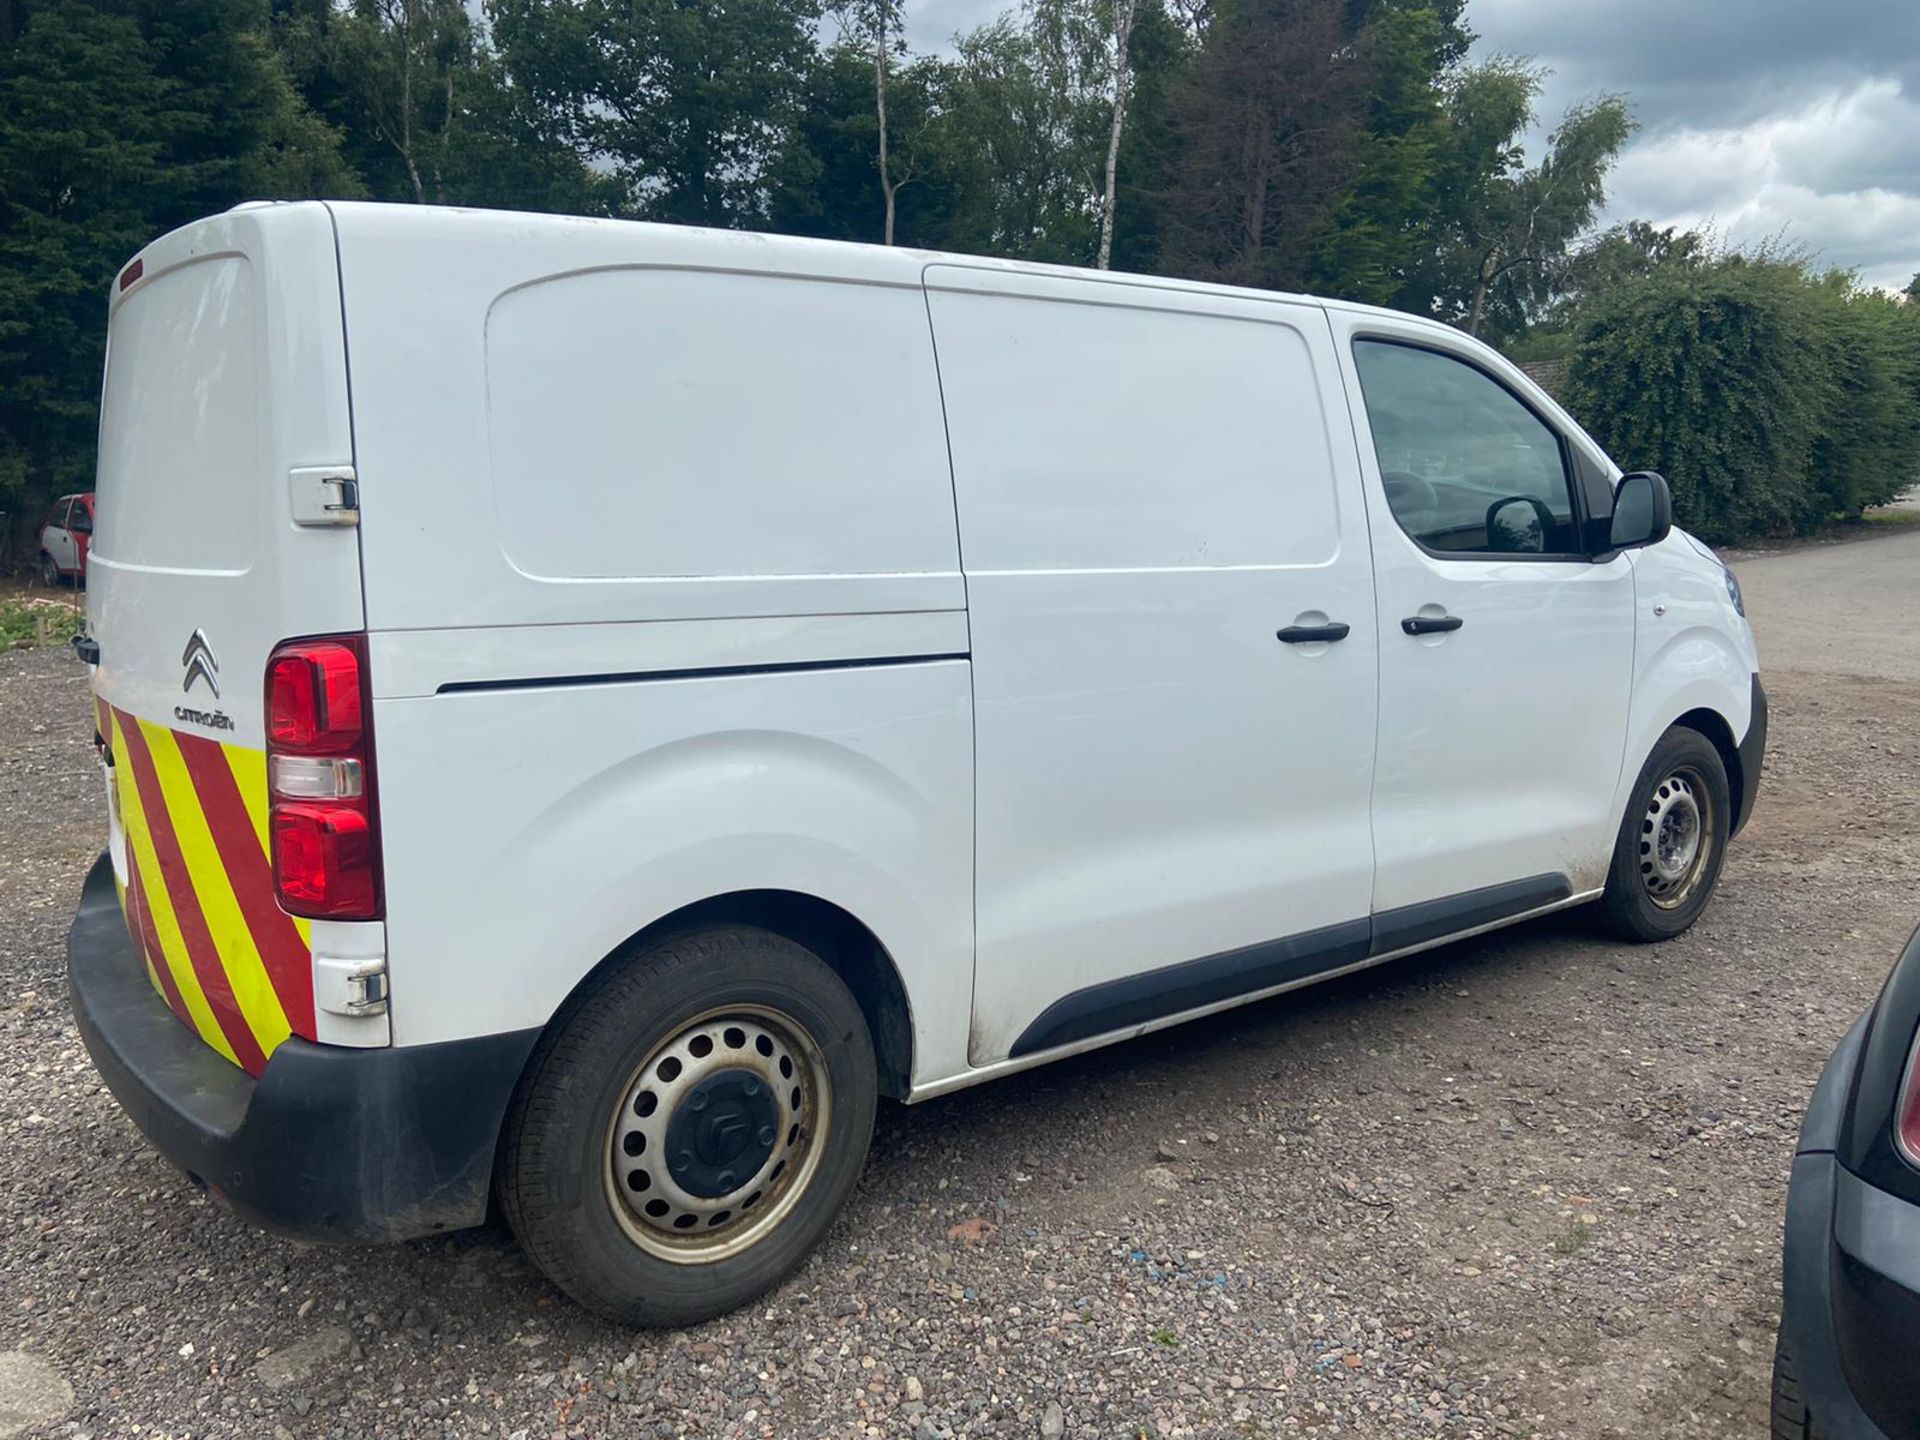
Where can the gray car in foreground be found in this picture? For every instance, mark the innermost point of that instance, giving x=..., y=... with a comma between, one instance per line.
x=1848, y=1362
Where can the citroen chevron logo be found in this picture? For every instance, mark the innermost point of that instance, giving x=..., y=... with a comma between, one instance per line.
x=198, y=658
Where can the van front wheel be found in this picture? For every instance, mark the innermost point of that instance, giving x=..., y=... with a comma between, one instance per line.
x=1672, y=840
x=691, y=1128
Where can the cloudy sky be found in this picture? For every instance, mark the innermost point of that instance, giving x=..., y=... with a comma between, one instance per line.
x=1798, y=118
x=1762, y=118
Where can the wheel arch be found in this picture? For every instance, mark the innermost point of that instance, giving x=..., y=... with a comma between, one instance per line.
x=833, y=933
x=1711, y=724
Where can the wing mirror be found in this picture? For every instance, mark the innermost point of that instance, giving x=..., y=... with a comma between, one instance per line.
x=1642, y=511
x=1519, y=524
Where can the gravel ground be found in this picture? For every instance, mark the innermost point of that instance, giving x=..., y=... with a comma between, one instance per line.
x=1525, y=1185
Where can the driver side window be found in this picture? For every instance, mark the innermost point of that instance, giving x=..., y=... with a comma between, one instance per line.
x=1467, y=468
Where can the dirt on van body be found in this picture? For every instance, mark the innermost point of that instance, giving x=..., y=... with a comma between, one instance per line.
x=1530, y=1184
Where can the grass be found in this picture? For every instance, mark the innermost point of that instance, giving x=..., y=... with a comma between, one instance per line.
x=28, y=624
x=1891, y=518
x=1163, y=1336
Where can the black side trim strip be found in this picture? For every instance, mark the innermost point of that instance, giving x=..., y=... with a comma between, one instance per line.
x=713, y=672
x=1435, y=919
x=1135, y=999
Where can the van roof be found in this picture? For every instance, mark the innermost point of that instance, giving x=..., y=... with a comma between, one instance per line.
x=602, y=242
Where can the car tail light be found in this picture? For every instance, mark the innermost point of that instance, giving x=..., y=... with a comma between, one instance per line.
x=323, y=822
x=1906, y=1128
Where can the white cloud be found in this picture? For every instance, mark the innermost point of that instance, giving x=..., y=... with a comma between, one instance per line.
x=1766, y=119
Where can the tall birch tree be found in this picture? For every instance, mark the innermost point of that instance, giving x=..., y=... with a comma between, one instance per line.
x=1122, y=62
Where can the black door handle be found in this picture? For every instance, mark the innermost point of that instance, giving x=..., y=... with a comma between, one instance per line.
x=1307, y=634
x=1431, y=624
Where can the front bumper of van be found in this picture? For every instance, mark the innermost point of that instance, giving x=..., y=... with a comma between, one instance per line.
x=329, y=1143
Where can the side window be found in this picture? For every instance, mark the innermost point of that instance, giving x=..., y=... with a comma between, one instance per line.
x=1467, y=468
x=81, y=521
x=57, y=518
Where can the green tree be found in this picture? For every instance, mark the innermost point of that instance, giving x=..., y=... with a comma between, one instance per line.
x=826, y=176
x=424, y=108
x=1867, y=449
x=119, y=121
x=80, y=169
x=1268, y=117
x=1771, y=397
x=504, y=156
x=1503, y=231
x=1384, y=225
x=1160, y=48
x=1626, y=253
x=393, y=75
x=1621, y=256
x=1029, y=100
x=686, y=102
x=236, y=128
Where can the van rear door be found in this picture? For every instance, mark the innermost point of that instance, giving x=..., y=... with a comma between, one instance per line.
x=223, y=420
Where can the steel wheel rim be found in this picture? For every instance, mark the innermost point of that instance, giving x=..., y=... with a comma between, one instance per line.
x=684, y=1211
x=1675, y=844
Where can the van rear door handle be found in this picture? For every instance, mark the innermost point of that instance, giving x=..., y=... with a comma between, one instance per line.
x=1307, y=634
x=1431, y=624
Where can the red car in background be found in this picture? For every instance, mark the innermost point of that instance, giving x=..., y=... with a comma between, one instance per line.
x=65, y=538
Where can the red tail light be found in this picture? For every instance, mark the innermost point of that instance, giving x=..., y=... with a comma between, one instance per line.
x=326, y=836
x=1907, y=1119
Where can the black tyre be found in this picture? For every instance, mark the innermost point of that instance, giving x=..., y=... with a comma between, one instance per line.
x=1672, y=840
x=691, y=1127
x=49, y=570
x=1791, y=1418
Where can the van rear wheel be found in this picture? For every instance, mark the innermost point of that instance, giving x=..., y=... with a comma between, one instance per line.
x=691, y=1128
x=1672, y=840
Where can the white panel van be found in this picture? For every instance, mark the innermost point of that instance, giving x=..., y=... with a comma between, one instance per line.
x=588, y=709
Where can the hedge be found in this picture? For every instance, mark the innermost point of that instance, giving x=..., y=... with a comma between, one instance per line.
x=1773, y=399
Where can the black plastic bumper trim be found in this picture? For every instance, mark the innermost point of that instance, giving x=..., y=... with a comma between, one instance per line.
x=330, y=1143
x=1138, y=999
x=1753, y=754
x=1875, y=1280
x=1806, y=1303
x=1814, y=1278
x=1115, y=1005
x=1410, y=925
x=1820, y=1127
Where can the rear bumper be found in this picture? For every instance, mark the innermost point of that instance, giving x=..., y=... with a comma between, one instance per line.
x=1753, y=753
x=1850, y=1291
x=329, y=1143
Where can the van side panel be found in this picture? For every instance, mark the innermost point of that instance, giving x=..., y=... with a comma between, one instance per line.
x=1150, y=486
x=664, y=603
x=531, y=832
x=676, y=406
x=624, y=423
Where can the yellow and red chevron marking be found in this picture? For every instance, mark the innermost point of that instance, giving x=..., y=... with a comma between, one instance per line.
x=199, y=899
